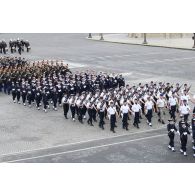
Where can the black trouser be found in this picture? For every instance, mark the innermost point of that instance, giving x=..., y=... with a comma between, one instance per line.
x=101, y=122
x=19, y=50
x=184, y=140
x=125, y=118
x=38, y=101
x=90, y=113
x=60, y=99
x=23, y=98
x=29, y=98
x=77, y=110
x=186, y=117
x=80, y=115
x=54, y=102
x=193, y=133
x=94, y=112
x=149, y=116
x=112, y=121
x=5, y=88
x=66, y=109
x=8, y=89
x=136, y=119
x=84, y=110
x=18, y=96
x=33, y=97
x=73, y=110
x=171, y=137
x=172, y=112
x=45, y=104
x=13, y=96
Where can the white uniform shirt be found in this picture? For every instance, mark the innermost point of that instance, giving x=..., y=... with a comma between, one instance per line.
x=125, y=109
x=103, y=107
x=172, y=101
x=160, y=103
x=111, y=110
x=149, y=105
x=184, y=109
x=185, y=97
x=136, y=108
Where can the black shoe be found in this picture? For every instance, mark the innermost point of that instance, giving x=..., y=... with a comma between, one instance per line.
x=115, y=126
x=127, y=129
x=138, y=127
x=159, y=120
x=163, y=122
x=102, y=128
x=91, y=125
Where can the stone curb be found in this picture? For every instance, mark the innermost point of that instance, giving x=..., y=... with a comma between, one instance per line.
x=149, y=45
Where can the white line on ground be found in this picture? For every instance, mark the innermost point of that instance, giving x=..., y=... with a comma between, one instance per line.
x=84, y=149
x=81, y=142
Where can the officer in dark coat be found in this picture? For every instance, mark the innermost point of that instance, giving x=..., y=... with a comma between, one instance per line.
x=183, y=137
x=171, y=128
x=24, y=94
x=193, y=132
x=38, y=97
x=65, y=105
x=18, y=93
x=90, y=113
x=13, y=92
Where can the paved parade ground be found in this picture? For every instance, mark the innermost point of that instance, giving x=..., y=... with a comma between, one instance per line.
x=28, y=135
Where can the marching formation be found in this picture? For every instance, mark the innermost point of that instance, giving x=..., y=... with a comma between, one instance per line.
x=98, y=97
x=15, y=45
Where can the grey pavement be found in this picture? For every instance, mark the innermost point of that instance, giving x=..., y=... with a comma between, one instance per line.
x=26, y=132
x=179, y=43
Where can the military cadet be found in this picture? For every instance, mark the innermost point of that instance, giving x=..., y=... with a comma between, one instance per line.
x=193, y=132
x=60, y=95
x=184, y=110
x=38, y=97
x=72, y=107
x=45, y=100
x=65, y=104
x=101, y=106
x=90, y=113
x=24, y=93
x=136, y=108
x=13, y=92
x=125, y=111
x=54, y=97
x=80, y=112
x=27, y=45
x=112, y=116
x=183, y=137
x=148, y=110
x=161, y=108
x=172, y=103
x=3, y=46
x=18, y=93
x=171, y=133
x=29, y=96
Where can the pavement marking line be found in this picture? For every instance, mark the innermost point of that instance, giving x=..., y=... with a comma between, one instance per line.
x=84, y=149
x=81, y=142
